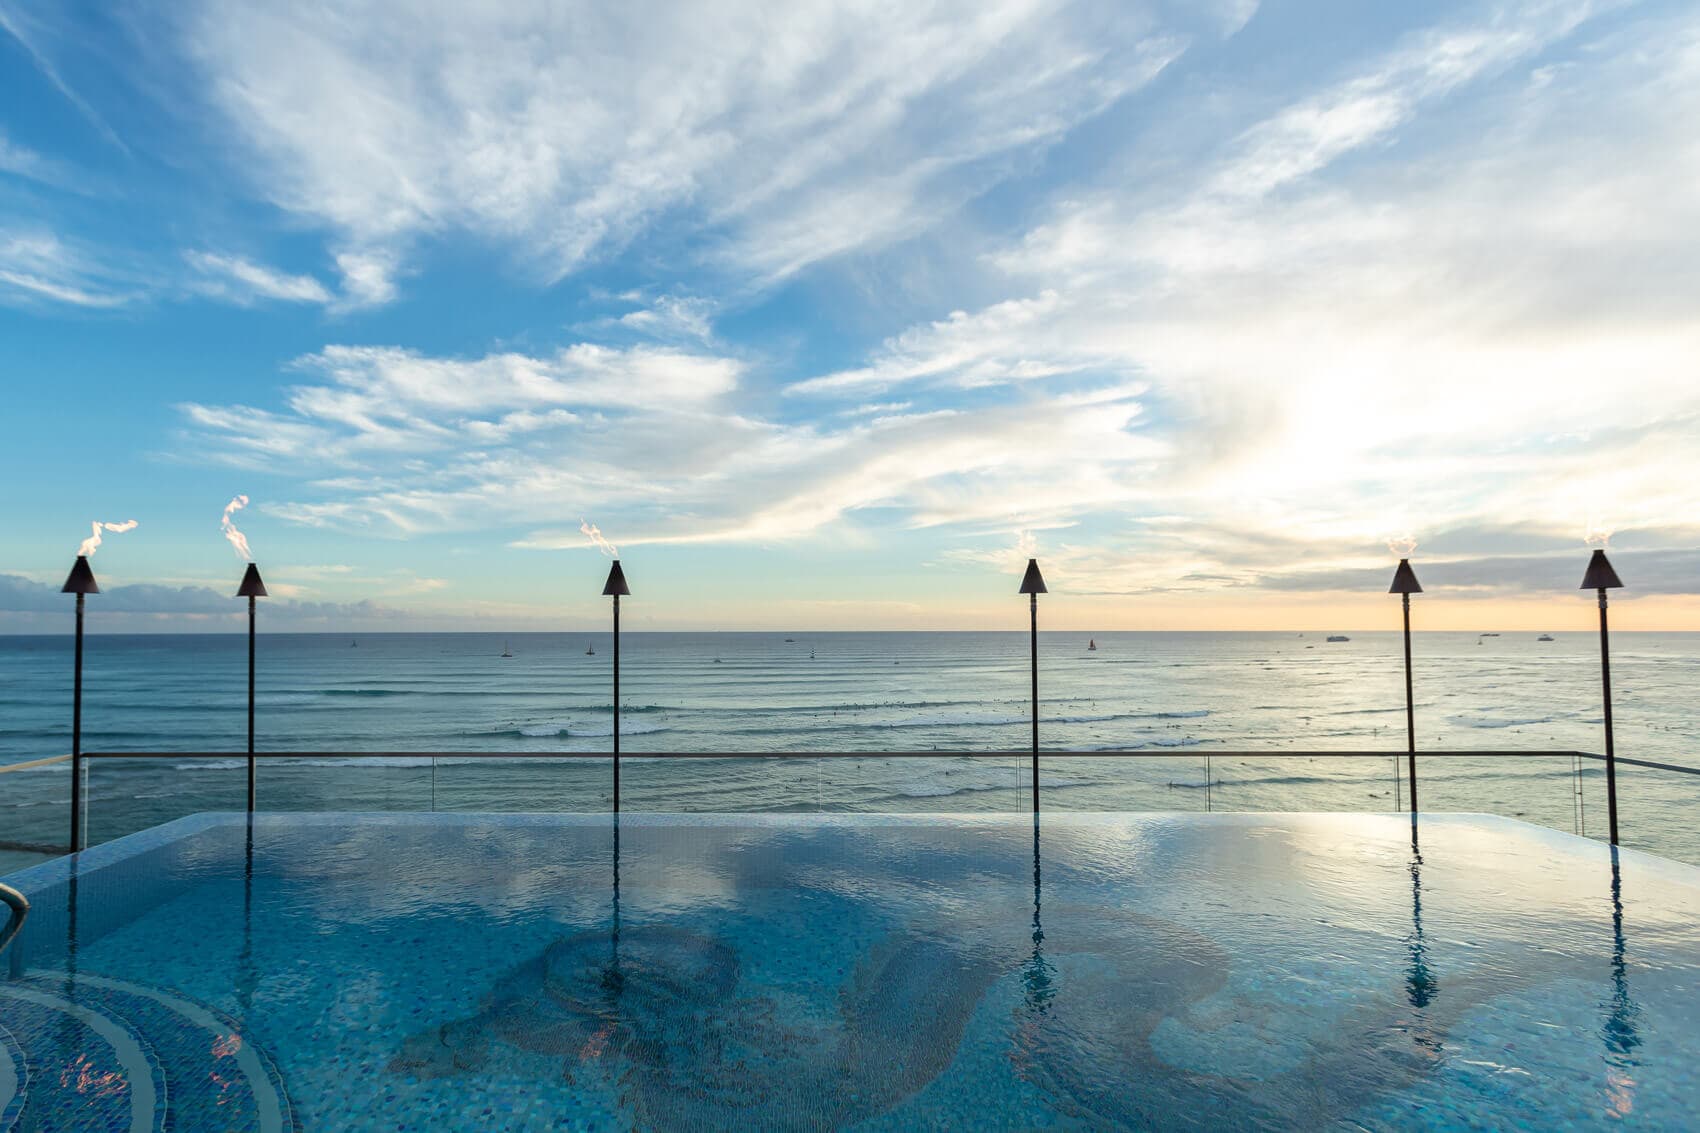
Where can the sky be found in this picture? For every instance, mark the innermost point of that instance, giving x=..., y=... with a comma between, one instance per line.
x=830, y=315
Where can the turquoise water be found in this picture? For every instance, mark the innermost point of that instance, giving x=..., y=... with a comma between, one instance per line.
x=1179, y=697
x=821, y=972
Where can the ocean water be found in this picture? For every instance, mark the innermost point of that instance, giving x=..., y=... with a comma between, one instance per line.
x=876, y=972
x=1185, y=700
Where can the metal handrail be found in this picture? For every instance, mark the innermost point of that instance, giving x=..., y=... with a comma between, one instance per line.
x=20, y=909
x=32, y=764
x=1132, y=753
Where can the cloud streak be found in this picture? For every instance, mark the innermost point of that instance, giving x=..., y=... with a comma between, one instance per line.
x=788, y=132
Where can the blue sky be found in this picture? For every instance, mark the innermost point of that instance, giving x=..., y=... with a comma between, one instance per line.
x=831, y=314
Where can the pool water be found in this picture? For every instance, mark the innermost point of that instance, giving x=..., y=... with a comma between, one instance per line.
x=868, y=972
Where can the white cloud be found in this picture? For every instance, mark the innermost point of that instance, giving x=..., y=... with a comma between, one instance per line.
x=21, y=161
x=1211, y=378
x=787, y=132
x=1489, y=330
x=673, y=316
x=242, y=281
x=368, y=278
x=36, y=267
x=653, y=436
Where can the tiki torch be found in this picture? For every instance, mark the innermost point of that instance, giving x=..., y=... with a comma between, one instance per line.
x=1602, y=577
x=613, y=588
x=1033, y=585
x=1405, y=584
x=81, y=583
x=252, y=587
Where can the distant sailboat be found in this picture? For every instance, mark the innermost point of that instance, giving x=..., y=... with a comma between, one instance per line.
x=1544, y=637
x=353, y=644
x=505, y=651
x=1091, y=645
x=590, y=650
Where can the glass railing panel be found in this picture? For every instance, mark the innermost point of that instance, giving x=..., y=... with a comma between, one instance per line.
x=998, y=783
x=123, y=796
x=338, y=782
x=1138, y=781
x=1656, y=807
x=35, y=812
x=1537, y=789
x=522, y=785
x=674, y=784
x=1276, y=781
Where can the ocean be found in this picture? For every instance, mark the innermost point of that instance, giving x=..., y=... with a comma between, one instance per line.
x=1185, y=699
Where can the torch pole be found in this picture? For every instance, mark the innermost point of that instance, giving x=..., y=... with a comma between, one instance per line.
x=77, y=738
x=1410, y=712
x=1611, y=756
x=1033, y=637
x=250, y=704
x=616, y=704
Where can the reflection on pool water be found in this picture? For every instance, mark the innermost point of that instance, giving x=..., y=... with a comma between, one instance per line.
x=875, y=972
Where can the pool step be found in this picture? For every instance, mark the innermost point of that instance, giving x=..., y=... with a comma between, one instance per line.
x=91, y=1052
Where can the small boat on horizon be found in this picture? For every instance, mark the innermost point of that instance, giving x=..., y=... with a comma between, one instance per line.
x=505, y=651
x=1338, y=637
x=1544, y=637
x=590, y=650
x=353, y=644
x=1091, y=645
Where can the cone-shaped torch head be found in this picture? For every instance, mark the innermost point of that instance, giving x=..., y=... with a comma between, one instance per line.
x=1032, y=582
x=252, y=585
x=1405, y=580
x=1600, y=575
x=81, y=579
x=616, y=584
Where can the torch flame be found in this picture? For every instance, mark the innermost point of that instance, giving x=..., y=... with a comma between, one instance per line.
x=594, y=534
x=93, y=541
x=237, y=540
x=1402, y=545
x=1597, y=536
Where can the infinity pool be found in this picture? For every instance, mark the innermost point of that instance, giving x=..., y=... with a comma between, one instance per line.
x=869, y=972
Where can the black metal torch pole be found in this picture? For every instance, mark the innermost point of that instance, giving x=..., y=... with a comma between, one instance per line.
x=616, y=704
x=1410, y=711
x=250, y=704
x=77, y=738
x=1611, y=756
x=1033, y=614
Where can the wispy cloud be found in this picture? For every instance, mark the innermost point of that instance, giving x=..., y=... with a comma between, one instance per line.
x=239, y=280
x=675, y=317
x=32, y=34
x=790, y=132
x=21, y=161
x=37, y=268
